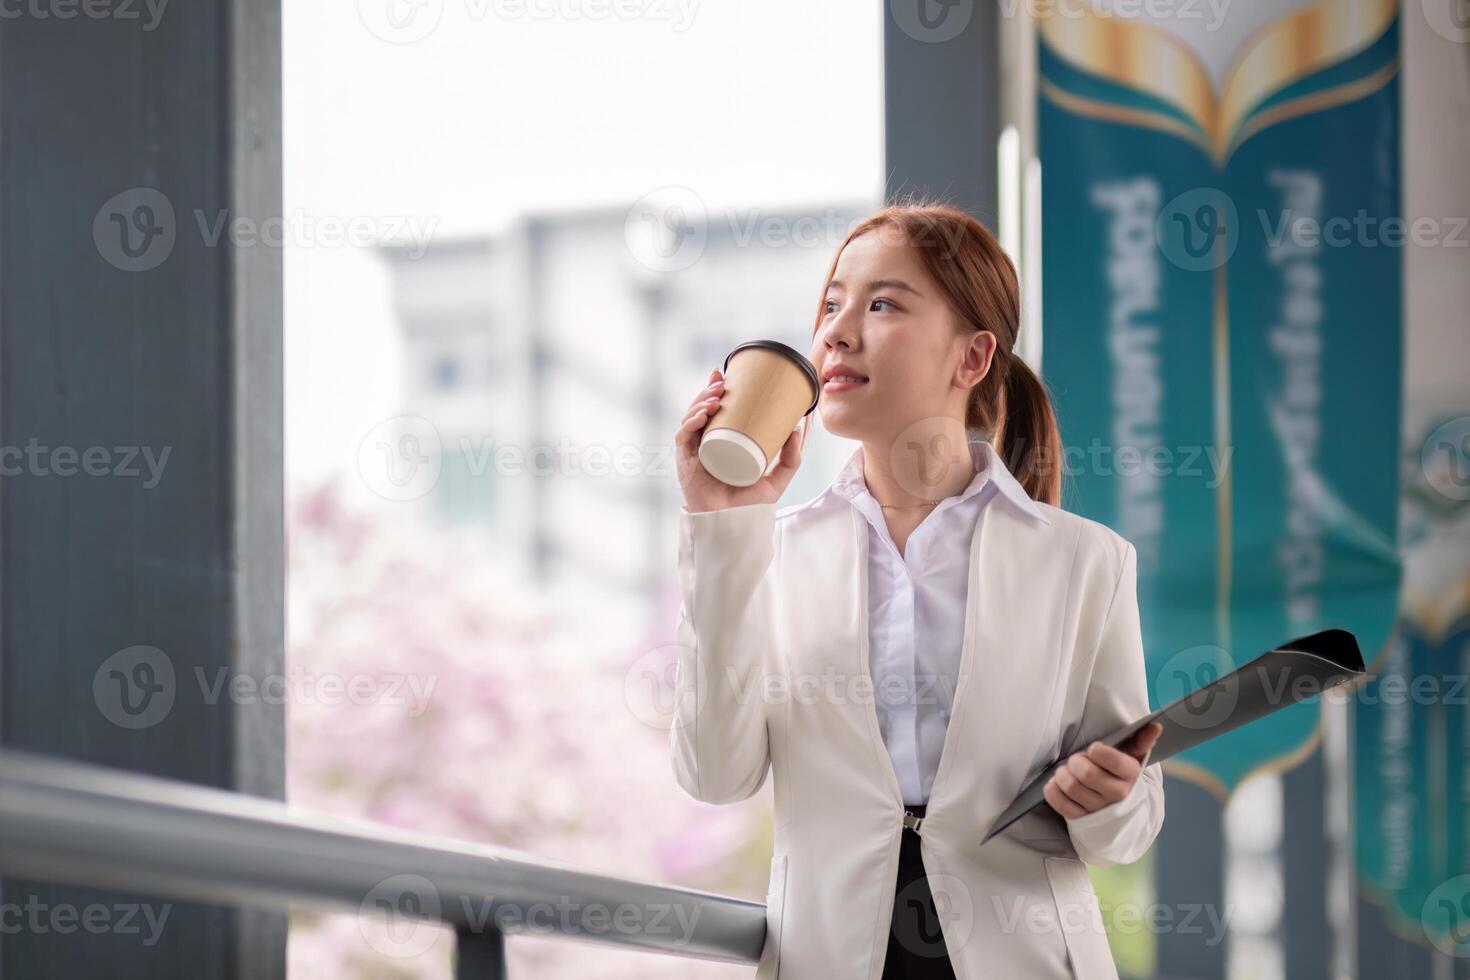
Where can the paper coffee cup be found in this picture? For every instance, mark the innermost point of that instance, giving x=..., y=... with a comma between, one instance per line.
x=769, y=387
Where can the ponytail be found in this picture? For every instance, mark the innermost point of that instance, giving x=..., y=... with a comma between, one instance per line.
x=1026, y=433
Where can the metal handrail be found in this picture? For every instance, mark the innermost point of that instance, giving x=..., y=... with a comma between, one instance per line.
x=78, y=824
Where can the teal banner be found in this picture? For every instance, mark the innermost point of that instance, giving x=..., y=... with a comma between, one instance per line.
x=1410, y=737
x=1411, y=718
x=1221, y=298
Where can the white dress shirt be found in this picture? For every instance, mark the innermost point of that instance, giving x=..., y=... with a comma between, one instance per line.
x=916, y=611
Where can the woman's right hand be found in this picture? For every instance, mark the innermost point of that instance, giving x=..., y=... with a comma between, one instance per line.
x=702, y=491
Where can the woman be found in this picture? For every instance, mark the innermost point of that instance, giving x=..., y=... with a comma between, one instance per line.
x=906, y=650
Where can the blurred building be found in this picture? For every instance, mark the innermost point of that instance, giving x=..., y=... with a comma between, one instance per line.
x=556, y=359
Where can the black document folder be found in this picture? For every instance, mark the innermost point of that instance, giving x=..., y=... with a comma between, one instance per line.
x=1292, y=672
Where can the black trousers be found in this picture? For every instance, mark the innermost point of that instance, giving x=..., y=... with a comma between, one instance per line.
x=916, y=948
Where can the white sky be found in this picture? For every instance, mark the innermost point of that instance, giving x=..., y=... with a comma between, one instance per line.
x=502, y=109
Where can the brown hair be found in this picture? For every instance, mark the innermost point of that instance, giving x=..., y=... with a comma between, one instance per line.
x=979, y=282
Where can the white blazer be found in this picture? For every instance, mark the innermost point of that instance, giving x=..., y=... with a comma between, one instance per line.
x=773, y=677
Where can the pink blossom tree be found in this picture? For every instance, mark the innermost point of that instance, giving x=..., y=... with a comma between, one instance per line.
x=433, y=690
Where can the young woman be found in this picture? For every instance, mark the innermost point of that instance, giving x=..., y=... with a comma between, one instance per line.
x=906, y=650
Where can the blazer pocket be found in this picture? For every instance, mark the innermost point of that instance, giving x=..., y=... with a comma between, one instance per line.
x=1079, y=917
x=770, y=964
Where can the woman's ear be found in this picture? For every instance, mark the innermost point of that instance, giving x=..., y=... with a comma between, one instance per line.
x=978, y=357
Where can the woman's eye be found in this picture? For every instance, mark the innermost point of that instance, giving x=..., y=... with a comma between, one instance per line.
x=830, y=306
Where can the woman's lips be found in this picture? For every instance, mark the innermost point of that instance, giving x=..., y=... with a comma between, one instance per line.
x=835, y=385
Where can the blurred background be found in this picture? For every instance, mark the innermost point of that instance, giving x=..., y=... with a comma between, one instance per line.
x=342, y=347
x=592, y=211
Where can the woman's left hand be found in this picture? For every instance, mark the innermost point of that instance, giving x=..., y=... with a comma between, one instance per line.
x=1100, y=775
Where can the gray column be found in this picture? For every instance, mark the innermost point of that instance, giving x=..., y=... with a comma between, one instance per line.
x=941, y=106
x=141, y=541
x=1306, y=933
x=1190, y=877
x=1384, y=952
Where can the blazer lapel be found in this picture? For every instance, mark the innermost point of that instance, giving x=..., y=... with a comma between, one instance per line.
x=1008, y=667
x=859, y=537
x=825, y=635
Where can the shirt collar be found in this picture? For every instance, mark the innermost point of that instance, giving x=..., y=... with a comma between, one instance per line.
x=849, y=484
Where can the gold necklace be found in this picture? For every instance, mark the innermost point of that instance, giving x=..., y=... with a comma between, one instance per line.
x=927, y=503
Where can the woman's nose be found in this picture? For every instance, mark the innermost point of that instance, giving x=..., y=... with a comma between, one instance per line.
x=840, y=330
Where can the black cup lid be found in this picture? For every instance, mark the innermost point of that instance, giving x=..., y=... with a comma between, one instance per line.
x=801, y=361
